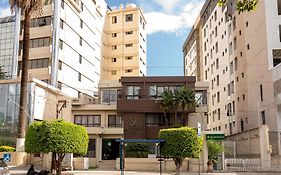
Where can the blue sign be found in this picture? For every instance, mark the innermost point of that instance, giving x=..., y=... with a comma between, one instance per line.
x=7, y=157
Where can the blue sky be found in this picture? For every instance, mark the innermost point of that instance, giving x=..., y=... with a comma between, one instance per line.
x=169, y=22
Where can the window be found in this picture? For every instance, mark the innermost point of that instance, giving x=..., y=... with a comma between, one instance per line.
x=79, y=76
x=80, y=41
x=218, y=80
x=113, y=60
x=261, y=92
x=235, y=64
x=242, y=125
x=113, y=72
x=81, y=23
x=60, y=65
x=216, y=31
x=91, y=148
x=233, y=107
x=109, y=96
x=62, y=4
x=218, y=97
x=154, y=120
x=129, y=17
x=61, y=24
x=40, y=22
x=80, y=59
x=244, y=97
x=234, y=23
x=231, y=68
x=82, y=6
x=279, y=7
x=248, y=46
x=129, y=58
x=36, y=63
x=217, y=63
x=129, y=33
x=114, y=35
x=247, y=24
x=114, y=19
x=156, y=91
x=129, y=45
x=276, y=57
x=88, y=120
x=217, y=47
x=232, y=87
x=114, y=47
x=133, y=92
x=263, y=117
x=61, y=44
x=219, y=114
x=59, y=85
x=114, y=121
x=128, y=70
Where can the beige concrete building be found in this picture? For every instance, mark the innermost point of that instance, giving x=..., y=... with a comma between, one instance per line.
x=103, y=124
x=124, y=41
x=239, y=54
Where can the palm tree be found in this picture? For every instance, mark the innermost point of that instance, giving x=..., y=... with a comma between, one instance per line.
x=167, y=103
x=186, y=101
x=28, y=7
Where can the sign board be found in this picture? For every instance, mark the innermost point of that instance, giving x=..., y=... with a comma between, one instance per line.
x=7, y=157
x=215, y=136
x=199, y=129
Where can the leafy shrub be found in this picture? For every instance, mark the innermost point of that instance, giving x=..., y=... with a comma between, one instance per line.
x=7, y=149
x=137, y=150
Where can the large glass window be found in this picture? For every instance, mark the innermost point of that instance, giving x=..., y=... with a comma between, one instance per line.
x=88, y=120
x=36, y=63
x=109, y=96
x=133, y=92
x=129, y=17
x=156, y=91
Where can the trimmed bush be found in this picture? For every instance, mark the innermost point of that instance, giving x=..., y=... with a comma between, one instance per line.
x=7, y=149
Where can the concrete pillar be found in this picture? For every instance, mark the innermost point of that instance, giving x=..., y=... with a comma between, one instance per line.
x=264, y=147
x=98, y=149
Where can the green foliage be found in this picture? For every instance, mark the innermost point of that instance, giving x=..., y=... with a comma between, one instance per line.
x=57, y=136
x=214, y=149
x=137, y=150
x=7, y=149
x=242, y=5
x=181, y=143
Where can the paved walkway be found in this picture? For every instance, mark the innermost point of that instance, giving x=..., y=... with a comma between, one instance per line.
x=93, y=172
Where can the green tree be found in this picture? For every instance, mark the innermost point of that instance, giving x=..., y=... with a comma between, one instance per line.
x=180, y=144
x=57, y=137
x=242, y=5
x=214, y=149
x=167, y=103
x=27, y=7
x=185, y=98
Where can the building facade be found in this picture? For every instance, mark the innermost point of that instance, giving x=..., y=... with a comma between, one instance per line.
x=240, y=67
x=124, y=41
x=65, y=45
x=139, y=105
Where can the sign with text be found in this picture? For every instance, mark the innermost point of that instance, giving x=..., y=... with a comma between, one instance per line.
x=215, y=136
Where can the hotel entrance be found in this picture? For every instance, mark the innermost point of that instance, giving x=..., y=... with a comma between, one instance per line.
x=110, y=149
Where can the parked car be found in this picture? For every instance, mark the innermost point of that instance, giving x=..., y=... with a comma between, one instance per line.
x=4, y=170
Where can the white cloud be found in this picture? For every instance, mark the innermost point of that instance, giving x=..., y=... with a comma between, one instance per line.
x=5, y=11
x=168, y=5
x=176, y=21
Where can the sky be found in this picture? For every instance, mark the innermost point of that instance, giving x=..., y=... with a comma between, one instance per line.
x=168, y=24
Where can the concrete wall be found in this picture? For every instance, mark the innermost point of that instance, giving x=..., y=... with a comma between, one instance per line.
x=168, y=165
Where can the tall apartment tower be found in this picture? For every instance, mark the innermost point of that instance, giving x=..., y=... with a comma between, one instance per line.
x=240, y=56
x=65, y=45
x=124, y=41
